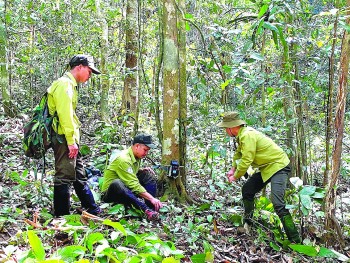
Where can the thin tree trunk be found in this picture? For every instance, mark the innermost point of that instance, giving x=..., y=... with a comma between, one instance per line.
x=331, y=223
x=9, y=108
x=329, y=116
x=104, y=113
x=158, y=69
x=301, y=119
x=183, y=95
x=130, y=91
x=288, y=108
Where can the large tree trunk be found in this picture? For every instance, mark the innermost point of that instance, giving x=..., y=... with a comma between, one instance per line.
x=171, y=100
x=104, y=113
x=331, y=223
x=131, y=85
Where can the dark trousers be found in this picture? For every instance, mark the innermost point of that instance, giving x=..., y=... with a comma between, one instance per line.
x=278, y=186
x=70, y=171
x=117, y=192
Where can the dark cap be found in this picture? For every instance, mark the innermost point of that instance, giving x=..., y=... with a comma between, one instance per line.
x=144, y=139
x=85, y=60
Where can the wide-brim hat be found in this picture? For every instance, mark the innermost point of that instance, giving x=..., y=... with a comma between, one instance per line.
x=145, y=139
x=85, y=60
x=230, y=120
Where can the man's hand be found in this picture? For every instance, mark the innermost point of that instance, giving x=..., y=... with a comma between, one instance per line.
x=73, y=150
x=230, y=175
x=156, y=203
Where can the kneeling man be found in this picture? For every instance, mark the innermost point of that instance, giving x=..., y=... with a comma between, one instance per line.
x=125, y=183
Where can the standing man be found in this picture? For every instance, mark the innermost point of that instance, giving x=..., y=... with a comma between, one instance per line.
x=62, y=101
x=257, y=150
x=125, y=183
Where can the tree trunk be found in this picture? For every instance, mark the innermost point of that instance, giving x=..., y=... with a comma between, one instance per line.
x=171, y=100
x=301, y=119
x=104, y=113
x=9, y=108
x=329, y=115
x=288, y=107
x=130, y=91
x=183, y=94
x=331, y=223
x=158, y=68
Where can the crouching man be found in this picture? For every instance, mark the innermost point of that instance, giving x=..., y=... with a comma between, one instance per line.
x=125, y=183
x=257, y=150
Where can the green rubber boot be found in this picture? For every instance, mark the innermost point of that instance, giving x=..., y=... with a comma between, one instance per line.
x=290, y=228
x=248, y=211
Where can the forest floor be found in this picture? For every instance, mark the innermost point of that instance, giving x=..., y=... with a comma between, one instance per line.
x=188, y=226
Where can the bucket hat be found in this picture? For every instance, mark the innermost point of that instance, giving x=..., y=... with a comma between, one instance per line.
x=230, y=119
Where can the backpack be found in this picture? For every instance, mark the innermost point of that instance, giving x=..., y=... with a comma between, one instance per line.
x=37, y=132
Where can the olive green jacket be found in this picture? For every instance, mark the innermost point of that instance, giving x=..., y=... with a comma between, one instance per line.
x=63, y=99
x=124, y=167
x=259, y=151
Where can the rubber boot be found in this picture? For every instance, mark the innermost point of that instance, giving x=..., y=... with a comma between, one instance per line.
x=61, y=200
x=248, y=211
x=86, y=197
x=291, y=230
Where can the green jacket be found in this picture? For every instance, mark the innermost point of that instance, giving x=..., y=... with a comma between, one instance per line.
x=124, y=167
x=259, y=151
x=63, y=99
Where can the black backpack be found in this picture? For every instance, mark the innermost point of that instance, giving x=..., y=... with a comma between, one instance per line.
x=37, y=132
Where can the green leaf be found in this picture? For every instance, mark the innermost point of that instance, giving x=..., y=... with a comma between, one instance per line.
x=207, y=247
x=198, y=258
x=256, y=56
x=84, y=150
x=203, y=207
x=67, y=253
x=275, y=39
x=225, y=84
x=209, y=257
x=306, y=201
x=236, y=219
x=270, y=26
x=92, y=239
x=304, y=210
x=308, y=190
x=263, y=10
x=187, y=26
x=326, y=253
x=118, y=208
x=110, y=253
x=303, y=249
x=36, y=245
x=210, y=218
x=170, y=260
x=275, y=247
x=188, y=16
x=116, y=225
x=318, y=195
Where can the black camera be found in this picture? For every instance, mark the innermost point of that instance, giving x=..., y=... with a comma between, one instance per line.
x=174, y=169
